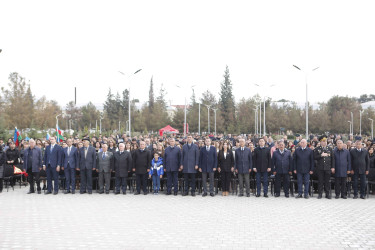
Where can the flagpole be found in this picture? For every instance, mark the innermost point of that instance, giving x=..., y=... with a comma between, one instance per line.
x=57, y=126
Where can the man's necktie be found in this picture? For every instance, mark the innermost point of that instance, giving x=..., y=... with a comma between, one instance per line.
x=103, y=156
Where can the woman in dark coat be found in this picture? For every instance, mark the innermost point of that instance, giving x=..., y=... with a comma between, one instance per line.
x=371, y=175
x=226, y=163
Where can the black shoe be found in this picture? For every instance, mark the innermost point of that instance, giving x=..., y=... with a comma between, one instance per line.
x=363, y=197
x=175, y=194
x=54, y=193
x=258, y=195
x=204, y=194
x=73, y=192
x=89, y=192
x=328, y=197
x=39, y=192
x=193, y=194
x=319, y=196
x=240, y=195
x=44, y=187
x=169, y=193
x=299, y=196
x=116, y=193
x=265, y=195
x=106, y=192
x=338, y=196
x=184, y=194
x=82, y=192
x=124, y=193
x=212, y=194
x=277, y=195
x=67, y=192
x=47, y=193
x=247, y=195
x=145, y=193
x=136, y=193
x=101, y=192
x=306, y=196
x=344, y=197
x=355, y=197
x=30, y=192
x=287, y=196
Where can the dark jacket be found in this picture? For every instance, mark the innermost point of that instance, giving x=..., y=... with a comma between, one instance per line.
x=342, y=162
x=207, y=159
x=303, y=160
x=282, y=163
x=262, y=159
x=243, y=160
x=141, y=161
x=360, y=161
x=226, y=163
x=122, y=163
x=88, y=162
x=71, y=159
x=371, y=175
x=12, y=155
x=37, y=161
x=189, y=158
x=324, y=163
x=172, y=159
x=52, y=158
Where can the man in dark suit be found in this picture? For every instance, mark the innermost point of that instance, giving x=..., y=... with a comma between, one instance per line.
x=243, y=165
x=70, y=163
x=325, y=161
x=172, y=162
x=87, y=165
x=303, y=166
x=189, y=164
x=360, y=168
x=141, y=167
x=123, y=163
x=282, y=167
x=262, y=166
x=52, y=162
x=208, y=165
x=32, y=163
x=341, y=169
x=104, y=166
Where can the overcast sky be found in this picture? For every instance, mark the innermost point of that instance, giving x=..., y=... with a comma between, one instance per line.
x=60, y=45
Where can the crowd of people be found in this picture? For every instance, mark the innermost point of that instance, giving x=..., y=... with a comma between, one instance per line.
x=186, y=164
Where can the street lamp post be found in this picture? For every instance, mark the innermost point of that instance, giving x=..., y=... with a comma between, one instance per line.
x=372, y=128
x=350, y=127
x=129, y=101
x=208, y=109
x=352, y=123
x=215, y=118
x=185, y=125
x=199, y=119
x=360, y=122
x=307, y=100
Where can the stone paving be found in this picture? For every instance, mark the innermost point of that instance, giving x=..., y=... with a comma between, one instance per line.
x=101, y=221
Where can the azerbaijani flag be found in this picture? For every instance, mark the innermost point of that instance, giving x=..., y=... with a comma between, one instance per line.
x=17, y=137
x=59, y=137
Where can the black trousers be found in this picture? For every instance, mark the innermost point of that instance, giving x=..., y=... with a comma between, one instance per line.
x=141, y=181
x=323, y=179
x=121, y=182
x=189, y=181
x=172, y=178
x=31, y=176
x=286, y=181
x=362, y=178
x=86, y=180
x=225, y=180
x=340, y=186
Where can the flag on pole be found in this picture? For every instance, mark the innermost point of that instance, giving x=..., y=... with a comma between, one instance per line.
x=17, y=137
x=59, y=136
x=47, y=136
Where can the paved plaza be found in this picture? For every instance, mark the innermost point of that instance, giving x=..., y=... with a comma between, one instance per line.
x=175, y=222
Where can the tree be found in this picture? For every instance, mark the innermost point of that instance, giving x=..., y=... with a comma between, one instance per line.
x=18, y=102
x=226, y=103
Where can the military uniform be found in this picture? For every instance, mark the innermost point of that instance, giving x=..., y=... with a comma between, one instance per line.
x=324, y=164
